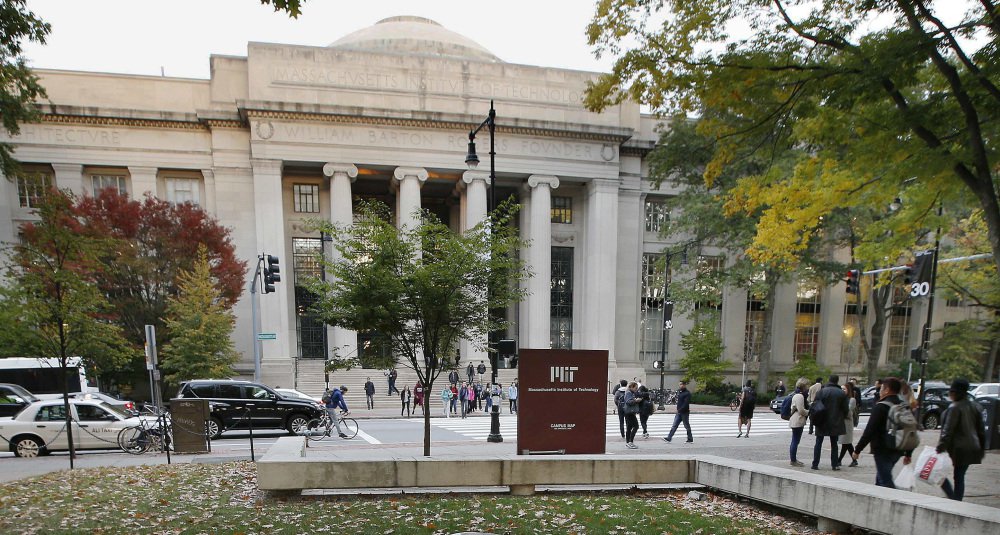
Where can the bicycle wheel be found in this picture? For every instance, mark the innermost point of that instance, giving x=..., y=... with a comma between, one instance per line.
x=349, y=426
x=134, y=440
x=316, y=429
x=734, y=404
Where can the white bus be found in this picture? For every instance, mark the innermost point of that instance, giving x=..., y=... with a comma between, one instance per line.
x=43, y=376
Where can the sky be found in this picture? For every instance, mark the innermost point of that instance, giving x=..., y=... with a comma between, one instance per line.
x=143, y=36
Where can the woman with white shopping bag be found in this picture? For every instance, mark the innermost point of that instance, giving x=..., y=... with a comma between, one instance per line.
x=962, y=436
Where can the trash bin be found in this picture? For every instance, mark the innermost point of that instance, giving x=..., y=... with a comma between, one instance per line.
x=188, y=419
x=991, y=419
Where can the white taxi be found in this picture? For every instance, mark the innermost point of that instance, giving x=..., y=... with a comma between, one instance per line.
x=40, y=427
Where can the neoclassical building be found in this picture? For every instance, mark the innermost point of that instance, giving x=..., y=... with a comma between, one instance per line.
x=291, y=133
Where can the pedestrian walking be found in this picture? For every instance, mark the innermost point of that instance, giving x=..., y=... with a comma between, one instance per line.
x=418, y=398
x=370, y=393
x=813, y=390
x=779, y=390
x=850, y=422
x=454, y=399
x=683, y=413
x=479, y=395
x=404, y=397
x=481, y=369
x=470, y=371
x=487, y=391
x=828, y=410
x=797, y=420
x=393, y=375
x=453, y=377
x=446, y=397
x=962, y=436
x=497, y=395
x=512, y=397
x=619, y=398
x=645, y=409
x=632, y=408
x=748, y=402
x=875, y=434
x=463, y=399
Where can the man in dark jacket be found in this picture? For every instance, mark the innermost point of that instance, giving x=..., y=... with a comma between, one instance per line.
x=962, y=436
x=875, y=432
x=471, y=372
x=830, y=423
x=370, y=393
x=453, y=377
x=619, y=404
x=683, y=412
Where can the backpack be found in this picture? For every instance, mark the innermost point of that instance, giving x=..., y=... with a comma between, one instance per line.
x=786, y=408
x=620, y=400
x=817, y=412
x=900, y=428
x=749, y=396
x=326, y=397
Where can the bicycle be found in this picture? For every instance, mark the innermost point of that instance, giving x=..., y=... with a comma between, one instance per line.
x=735, y=403
x=139, y=439
x=320, y=428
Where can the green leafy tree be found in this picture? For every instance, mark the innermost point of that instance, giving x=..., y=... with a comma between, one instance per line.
x=421, y=289
x=53, y=306
x=201, y=327
x=806, y=366
x=19, y=87
x=702, y=354
x=888, y=99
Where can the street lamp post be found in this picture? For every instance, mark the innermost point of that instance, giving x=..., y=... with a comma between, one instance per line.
x=472, y=160
x=668, y=312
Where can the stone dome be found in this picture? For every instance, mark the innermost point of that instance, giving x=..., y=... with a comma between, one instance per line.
x=414, y=35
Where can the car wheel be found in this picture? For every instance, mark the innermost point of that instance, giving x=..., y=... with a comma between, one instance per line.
x=931, y=421
x=296, y=423
x=214, y=428
x=26, y=447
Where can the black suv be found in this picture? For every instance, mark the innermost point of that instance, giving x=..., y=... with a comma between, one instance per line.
x=936, y=400
x=230, y=406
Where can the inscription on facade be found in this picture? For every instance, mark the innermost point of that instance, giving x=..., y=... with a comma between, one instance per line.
x=69, y=135
x=386, y=137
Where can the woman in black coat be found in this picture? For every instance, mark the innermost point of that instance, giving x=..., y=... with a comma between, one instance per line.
x=645, y=409
x=962, y=436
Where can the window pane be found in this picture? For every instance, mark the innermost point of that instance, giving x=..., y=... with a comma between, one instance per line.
x=182, y=190
x=305, y=266
x=562, y=210
x=31, y=187
x=306, y=197
x=561, y=317
x=657, y=216
x=116, y=182
x=651, y=307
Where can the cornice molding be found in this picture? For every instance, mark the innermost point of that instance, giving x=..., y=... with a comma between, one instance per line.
x=84, y=120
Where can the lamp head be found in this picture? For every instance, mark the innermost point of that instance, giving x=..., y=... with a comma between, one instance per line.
x=896, y=204
x=471, y=159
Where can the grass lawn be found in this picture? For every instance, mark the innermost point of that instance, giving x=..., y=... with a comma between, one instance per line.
x=202, y=498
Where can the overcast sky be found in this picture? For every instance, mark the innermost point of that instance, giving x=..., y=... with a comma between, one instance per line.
x=141, y=36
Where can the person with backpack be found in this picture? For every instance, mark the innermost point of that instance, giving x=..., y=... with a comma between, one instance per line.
x=632, y=407
x=748, y=401
x=620, y=404
x=962, y=436
x=827, y=413
x=645, y=409
x=885, y=448
x=795, y=407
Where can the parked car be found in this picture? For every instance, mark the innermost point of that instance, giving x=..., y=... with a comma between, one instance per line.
x=776, y=403
x=13, y=398
x=40, y=427
x=936, y=400
x=985, y=390
x=869, y=397
x=231, y=403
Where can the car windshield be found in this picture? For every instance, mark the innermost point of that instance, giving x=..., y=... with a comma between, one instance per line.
x=114, y=409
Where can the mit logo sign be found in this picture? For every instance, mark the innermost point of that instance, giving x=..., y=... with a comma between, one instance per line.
x=562, y=374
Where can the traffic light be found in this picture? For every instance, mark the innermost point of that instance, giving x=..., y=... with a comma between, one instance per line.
x=854, y=281
x=271, y=275
x=908, y=276
x=657, y=364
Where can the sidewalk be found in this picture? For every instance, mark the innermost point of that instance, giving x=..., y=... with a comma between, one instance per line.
x=388, y=407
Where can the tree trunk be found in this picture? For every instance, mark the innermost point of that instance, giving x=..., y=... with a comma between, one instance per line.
x=991, y=361
x=880, y=300
x=428, y=390
x=764, y=372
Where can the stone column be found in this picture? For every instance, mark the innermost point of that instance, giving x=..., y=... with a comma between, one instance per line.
x=540, y=261
x=208, y=202
x=143, y=181
x=474, y=183
x=410, y=180
x=269, y=217
x=342, y=175
x=600, y=266
x=69, y=176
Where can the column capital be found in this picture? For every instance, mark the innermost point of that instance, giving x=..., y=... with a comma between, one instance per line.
x=142, y=170
x=208, y=173
x=68, y=168
x=331, y=169
x=416, y=172
x=604, y=185
x=266, y=166
x=469, y=176
x=537, y=180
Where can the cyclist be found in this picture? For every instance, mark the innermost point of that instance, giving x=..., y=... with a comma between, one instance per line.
x=336, y=401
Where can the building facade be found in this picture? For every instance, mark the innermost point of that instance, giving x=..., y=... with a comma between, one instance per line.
x=291, y=133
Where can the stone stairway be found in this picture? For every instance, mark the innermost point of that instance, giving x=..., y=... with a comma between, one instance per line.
x=310, y=380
